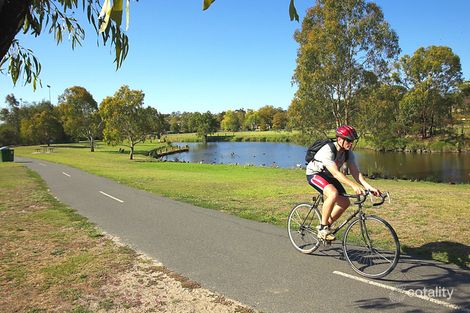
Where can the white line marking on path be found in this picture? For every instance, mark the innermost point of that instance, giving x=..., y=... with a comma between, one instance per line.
x=114, y=198
x=405, y=292
x=68, y=175
x=42, y=164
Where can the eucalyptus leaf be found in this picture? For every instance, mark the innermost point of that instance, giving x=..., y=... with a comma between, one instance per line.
x=116, y=12
x=293, y=12
x=206, y=4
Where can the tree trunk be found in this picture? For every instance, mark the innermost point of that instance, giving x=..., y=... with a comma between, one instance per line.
x=12, y=14
x=92, y=145
x=131, y=155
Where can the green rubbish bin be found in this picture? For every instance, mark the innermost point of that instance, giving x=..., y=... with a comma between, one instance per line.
x=7, y=154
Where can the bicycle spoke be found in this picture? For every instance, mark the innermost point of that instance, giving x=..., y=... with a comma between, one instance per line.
x=300, y=230
x=382, y=256
x=300, y=219
x=371, y=246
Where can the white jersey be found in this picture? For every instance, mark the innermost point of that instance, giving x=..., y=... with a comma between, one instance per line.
x=326, y=157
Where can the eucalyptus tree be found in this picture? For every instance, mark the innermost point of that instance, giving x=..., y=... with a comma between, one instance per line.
x=342, y=46
x=280, y=120
x=206, y=124
x=125, y=119
x=11, y=118
x=231, y=121
x=381, y=121
x=251, y=120
x=59, y=17
x=464, y=100
x=40, y=124
x=432, y=77
x=79, y=115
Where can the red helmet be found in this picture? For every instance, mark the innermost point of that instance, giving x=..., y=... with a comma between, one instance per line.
x=347, y=132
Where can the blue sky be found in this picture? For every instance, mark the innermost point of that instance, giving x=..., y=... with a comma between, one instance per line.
x=237, y=54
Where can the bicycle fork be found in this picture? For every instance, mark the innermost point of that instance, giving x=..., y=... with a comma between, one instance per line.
x=365, y=233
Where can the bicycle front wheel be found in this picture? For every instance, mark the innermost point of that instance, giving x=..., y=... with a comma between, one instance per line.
x=302, y=227
x=371, y=246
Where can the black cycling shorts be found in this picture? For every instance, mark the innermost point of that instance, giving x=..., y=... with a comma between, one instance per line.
x=320, y=180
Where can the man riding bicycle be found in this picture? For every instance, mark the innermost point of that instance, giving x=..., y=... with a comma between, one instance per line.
x=324, y=175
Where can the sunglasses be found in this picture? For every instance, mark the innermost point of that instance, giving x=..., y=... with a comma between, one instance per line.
x=348, y=140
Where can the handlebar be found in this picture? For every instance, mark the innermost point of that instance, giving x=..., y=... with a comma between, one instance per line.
x=360, y=199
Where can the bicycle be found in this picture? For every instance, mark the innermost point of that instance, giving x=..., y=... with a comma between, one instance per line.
x=370, y=244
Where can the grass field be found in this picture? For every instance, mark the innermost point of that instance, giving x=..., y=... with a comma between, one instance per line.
x=428, y=217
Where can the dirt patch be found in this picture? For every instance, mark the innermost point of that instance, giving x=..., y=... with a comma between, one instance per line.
x=148, y=286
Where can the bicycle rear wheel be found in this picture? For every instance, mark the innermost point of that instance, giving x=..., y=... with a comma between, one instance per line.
x=371, y=246
x=302, y=227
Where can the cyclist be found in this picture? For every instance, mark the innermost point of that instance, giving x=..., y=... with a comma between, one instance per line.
x=324, y=175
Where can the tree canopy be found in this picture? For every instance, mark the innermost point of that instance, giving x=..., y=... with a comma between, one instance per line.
x=79, y=114
x=126, y=120
x=432, y=77
x=344, y=45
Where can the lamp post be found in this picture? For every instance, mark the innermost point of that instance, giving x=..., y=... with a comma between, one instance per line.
x=49, y=86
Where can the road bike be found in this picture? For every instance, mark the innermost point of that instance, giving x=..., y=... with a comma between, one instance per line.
x=369, y=243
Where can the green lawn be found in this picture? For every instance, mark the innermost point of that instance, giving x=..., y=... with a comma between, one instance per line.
x=429, y=217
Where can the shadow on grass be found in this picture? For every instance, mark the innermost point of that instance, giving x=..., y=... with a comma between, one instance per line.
x=220, y=138
x=454, y=252
x=68, y=146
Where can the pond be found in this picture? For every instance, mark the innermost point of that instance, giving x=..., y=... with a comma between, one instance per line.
x=445, y=167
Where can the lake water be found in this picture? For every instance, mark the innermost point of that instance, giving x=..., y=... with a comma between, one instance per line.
x=445, y=167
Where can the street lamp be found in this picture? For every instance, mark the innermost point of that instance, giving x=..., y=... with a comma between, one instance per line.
x=49, y=86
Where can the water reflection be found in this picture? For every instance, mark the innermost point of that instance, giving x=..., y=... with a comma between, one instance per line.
x=446, y=167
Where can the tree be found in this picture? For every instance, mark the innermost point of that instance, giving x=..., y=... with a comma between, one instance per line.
x=174, y=123
x=311, y=121
x=231, y=122
x=206, y=124
x=380, y=107
x=251, y=120
x=344, y=45
x=266, y=114
x=11, y=117
x=59, y=17
x=41, y=125
x=280, y=120
x=7, y=135
x=187, y=122
x=125, y=119
x=79, y=114
x=432, y=77
x=464, y=101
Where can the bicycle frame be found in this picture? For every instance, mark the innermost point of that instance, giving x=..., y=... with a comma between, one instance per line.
x=353, y=215
x=317, y=201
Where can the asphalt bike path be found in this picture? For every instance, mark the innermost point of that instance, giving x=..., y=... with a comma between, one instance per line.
x=249, y=261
